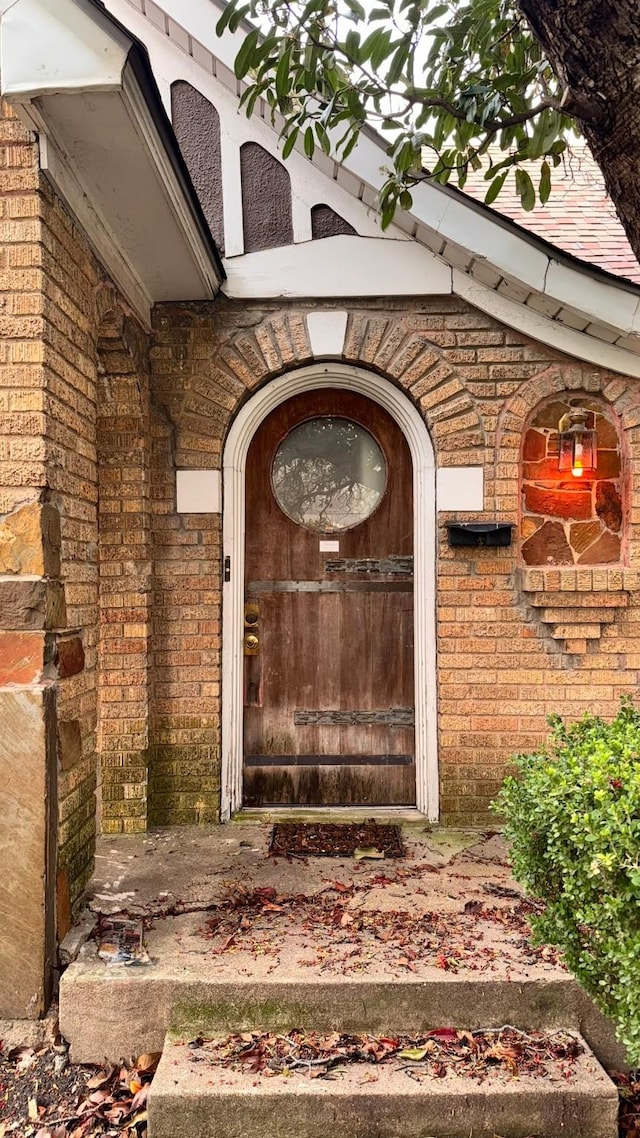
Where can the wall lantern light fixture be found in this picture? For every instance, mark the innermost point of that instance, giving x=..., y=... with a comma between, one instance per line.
x=578, y=450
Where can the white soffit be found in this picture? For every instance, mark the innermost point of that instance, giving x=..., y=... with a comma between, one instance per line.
x=552, y=295
x=71, y=70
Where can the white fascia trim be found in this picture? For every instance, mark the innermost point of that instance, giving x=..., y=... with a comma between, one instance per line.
x=513, y=256
x=532, y=323
x=338, y=267
x=98, y=233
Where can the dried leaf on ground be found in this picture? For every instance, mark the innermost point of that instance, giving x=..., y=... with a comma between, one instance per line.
x=40, y=1101
x=474, y=1054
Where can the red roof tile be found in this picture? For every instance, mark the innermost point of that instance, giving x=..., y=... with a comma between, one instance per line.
x=579, y=217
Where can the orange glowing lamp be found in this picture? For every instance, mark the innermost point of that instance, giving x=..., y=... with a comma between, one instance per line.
x=578, y=449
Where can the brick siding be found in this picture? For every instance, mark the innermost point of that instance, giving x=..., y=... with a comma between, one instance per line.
x=503, y=665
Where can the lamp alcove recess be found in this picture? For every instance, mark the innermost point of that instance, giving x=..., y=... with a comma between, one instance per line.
x=578, y=445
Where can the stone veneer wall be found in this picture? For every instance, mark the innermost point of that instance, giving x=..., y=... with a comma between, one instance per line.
x=567, y=520
x=50, y=323
x=514, y=644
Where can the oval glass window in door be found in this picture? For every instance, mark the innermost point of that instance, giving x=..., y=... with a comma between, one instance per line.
x=328, y=474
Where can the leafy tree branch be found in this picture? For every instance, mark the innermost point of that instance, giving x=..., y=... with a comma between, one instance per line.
x=447, y=81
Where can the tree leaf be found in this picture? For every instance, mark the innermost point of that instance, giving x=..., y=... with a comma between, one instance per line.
x=415, y=1054
x=544, y=189
x=525, y=189
x=283, y=80
x=244, y=57
x=309, y=142
x=495, y=187
x=290, y=142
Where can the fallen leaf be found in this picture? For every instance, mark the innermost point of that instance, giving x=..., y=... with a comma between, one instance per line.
x=33, y=1110
x=403, y=962
x=141, y=1117
x=367, y=851
x=100, y=1096
x=24, y=1057
x=415, y=1054
x=140, y=1098
x=100, y=1079
x=145, y=1064
x=443, y=1034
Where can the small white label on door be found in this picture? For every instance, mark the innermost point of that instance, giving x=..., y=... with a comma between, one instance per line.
x=329, y=546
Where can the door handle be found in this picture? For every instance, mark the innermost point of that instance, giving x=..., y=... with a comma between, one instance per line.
x=251, y=637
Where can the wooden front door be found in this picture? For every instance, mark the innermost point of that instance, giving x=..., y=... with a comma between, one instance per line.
x=328, y=685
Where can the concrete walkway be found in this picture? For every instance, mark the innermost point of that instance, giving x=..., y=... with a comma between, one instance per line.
x=239, y=939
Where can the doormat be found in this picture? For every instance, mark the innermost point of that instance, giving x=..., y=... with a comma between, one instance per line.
x=336, y=839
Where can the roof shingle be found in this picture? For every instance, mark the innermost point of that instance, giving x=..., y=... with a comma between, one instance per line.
x=579, y=217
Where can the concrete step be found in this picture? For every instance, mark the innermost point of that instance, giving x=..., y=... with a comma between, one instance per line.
x=191, y=1096
x=436, y=938
x=115, y=1012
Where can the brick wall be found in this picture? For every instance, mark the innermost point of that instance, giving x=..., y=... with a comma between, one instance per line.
x=48, y=551
x=48, y=469
x=510, y=651
x=185, y=707
x=126, y=598
x=53, y=330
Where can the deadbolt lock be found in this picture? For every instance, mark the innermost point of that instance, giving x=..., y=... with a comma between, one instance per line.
x=251, y=615
x=251, y=638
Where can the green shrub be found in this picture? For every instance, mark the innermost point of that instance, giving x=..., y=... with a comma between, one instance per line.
x=573, y=819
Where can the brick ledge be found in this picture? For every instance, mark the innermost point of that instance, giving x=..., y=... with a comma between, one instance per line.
x=576, y=604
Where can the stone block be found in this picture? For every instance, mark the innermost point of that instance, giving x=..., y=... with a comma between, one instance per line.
x=30, y=540
x=609, y=505
x=606, y=550
x=27, y=852
x=548, y=545
x=22, y=657
x=69, y=657
x=28, y=603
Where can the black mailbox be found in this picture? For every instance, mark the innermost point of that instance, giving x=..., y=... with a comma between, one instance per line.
x=477, y=534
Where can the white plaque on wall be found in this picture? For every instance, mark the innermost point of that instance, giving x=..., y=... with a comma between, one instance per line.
x=198, y=492
x=460, y=488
